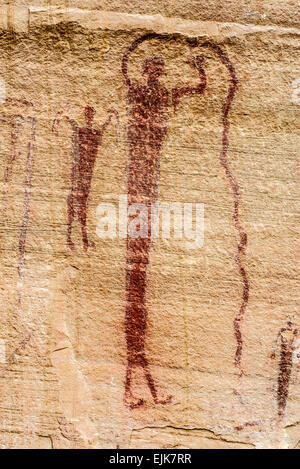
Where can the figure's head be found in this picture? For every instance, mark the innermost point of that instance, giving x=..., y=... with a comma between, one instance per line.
x=89, y=114
x=154, y=67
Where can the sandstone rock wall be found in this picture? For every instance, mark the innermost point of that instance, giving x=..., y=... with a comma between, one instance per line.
x=209, y=334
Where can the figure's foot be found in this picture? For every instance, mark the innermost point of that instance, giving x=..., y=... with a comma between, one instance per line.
x=89, y=244
x=133, y=403
x=70, y=244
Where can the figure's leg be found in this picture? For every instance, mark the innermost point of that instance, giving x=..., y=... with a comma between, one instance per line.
x=152, y=386
x=136, y=313
x=131, y=401
x=82, y=218
x=283, y=389
x=71, y=213
x=281, y=401
x=82, y=215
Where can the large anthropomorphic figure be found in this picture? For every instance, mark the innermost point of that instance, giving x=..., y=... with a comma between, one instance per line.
x=148, y=115
x=86, y=141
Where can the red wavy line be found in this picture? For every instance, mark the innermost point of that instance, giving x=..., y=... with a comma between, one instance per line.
x=236, y=195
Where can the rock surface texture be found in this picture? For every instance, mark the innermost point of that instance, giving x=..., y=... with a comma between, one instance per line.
x=187, y=339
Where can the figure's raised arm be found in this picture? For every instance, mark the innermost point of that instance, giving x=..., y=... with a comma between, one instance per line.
x=11, y=118
x=125, y=67
x=273, y=353
x=177, y=93
x=111, y=113
x=59, y=117
x=5, y=118
x=15, y=120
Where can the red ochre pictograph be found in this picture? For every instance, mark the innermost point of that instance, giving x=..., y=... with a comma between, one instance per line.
x=86, y=141
x=148, y=116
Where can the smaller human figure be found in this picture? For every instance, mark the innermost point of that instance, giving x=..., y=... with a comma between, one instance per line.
x=85, y=144
x=287, y=336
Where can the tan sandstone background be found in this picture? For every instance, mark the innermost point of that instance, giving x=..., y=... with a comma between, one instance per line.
x=62, y=339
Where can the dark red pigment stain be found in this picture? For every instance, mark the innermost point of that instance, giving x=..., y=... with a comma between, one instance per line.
x=147, y=129
x=287, y=336
x=85, y=144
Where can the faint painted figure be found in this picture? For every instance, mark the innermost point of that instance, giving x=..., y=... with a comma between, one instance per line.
x=17, y=121
x=148, y=115
x=86, y=141
x=287, y=339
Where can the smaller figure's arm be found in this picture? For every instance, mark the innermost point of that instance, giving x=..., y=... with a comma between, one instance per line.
x=72, y=122
x=177, y=93
x=61, y=115
x=59, y=118
x=13, y=119
x=16, y=121
x=111, y=113
x=273, y=353
x=3, y=118
x=7, y=118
